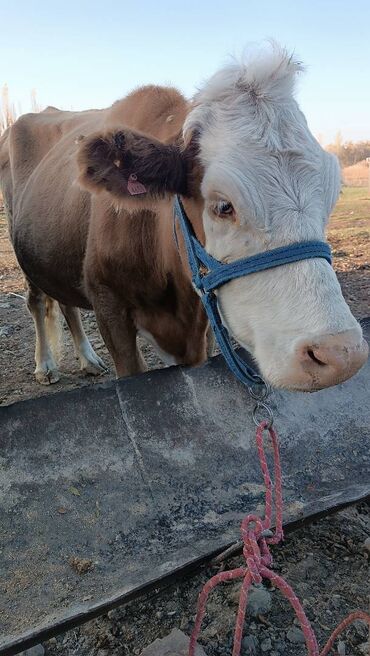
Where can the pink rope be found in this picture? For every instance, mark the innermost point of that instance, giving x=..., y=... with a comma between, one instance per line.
x=259, y=560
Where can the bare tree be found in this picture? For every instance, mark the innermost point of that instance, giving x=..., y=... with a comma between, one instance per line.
x=349, y=152
x=35, y=105
x=338, y=143
x=7, y=110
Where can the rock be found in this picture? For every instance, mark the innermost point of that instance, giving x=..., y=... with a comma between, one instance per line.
x=367, y=545
x=266, y=645
x=280, y=646
x=6, y=331
x=116, y=614
x=336, y=602
x=364, y=648
x=81, y=565
x=184, y=624
x=361, y=628
x=308, y=566
x=210, y=632
x=175, y=644
x=341, y=648
x=295, y=635
x=249, y=645
x=259, y=601
x=37, y=650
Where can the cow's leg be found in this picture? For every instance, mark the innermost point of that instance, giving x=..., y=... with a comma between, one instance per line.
x=118, y=331
x=90, y=362
x=44, y=311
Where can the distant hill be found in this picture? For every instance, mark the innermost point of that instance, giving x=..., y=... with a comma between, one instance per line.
x=356, y=175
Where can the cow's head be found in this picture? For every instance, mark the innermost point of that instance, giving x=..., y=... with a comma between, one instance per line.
x=266, y=183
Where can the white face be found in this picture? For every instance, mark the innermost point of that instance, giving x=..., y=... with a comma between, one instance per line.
x=268, y=183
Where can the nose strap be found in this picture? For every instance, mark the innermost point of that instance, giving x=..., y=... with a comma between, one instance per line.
x=208, y=274
x=223, y=273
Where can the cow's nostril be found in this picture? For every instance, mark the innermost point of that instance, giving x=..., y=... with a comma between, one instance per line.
x=313, y=357
x=325, y=360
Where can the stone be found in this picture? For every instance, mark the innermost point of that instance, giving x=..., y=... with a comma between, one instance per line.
x=6, y=331
x=116, y=614
x=249, y=645
x=362, y=630
x=308, y=566
x=259, y=601
x=280, y=646
x=364, y=648
x=37, y=650
x=341, y=648
x=367, y=545
x=175, y=644
x=266, y=645
x=295, y=635
x=336, y=602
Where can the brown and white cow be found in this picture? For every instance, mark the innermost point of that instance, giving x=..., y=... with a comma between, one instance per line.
x=251, y=177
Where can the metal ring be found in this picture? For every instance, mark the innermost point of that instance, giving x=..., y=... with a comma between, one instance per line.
x=260, y=393
x=261, y=405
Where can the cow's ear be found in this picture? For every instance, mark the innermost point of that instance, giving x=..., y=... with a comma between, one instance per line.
x=127, y=163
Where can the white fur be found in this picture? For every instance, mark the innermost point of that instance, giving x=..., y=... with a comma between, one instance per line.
x=259, y=154
x=168, y=359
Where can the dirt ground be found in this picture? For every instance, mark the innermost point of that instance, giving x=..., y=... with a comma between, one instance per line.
x=326, y=562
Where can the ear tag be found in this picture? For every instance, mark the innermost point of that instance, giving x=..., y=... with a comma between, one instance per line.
x=134, y=187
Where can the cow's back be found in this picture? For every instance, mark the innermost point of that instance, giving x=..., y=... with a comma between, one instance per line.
x=34, y=136
x=48, y=214
x=48, y=210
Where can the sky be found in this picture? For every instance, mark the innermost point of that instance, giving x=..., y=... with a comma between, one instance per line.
x=79, y=54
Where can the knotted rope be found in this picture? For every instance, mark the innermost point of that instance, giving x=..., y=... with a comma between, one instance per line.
x=257, y=536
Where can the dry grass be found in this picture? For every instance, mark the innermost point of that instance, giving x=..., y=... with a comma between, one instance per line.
x=349, y=236
x=357, y=175
x=352, y=212
x=349, y=230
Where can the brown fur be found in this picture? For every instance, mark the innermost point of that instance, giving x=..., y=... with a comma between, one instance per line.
x=97, y=246
x=107, y=161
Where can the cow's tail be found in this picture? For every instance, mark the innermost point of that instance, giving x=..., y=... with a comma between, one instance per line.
x=54, y=328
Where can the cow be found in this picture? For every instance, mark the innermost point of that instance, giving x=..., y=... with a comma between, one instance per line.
x=90, y=195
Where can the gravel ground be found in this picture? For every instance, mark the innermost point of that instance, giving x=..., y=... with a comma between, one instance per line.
x=327, y=564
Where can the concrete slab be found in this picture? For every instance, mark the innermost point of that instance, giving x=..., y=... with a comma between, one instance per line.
x=106, y=491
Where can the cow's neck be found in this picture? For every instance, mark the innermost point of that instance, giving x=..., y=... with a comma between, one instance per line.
x=194, y=211
x=174, y=251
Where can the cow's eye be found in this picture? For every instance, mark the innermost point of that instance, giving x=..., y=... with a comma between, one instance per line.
x=224, y=208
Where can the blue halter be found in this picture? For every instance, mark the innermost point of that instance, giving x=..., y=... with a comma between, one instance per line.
x=209, y=274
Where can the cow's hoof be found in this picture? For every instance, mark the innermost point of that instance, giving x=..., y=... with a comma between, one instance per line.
x=47, y=376
x=93, y=366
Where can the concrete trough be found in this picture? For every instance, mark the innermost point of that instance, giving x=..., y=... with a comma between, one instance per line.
x=106, y=491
